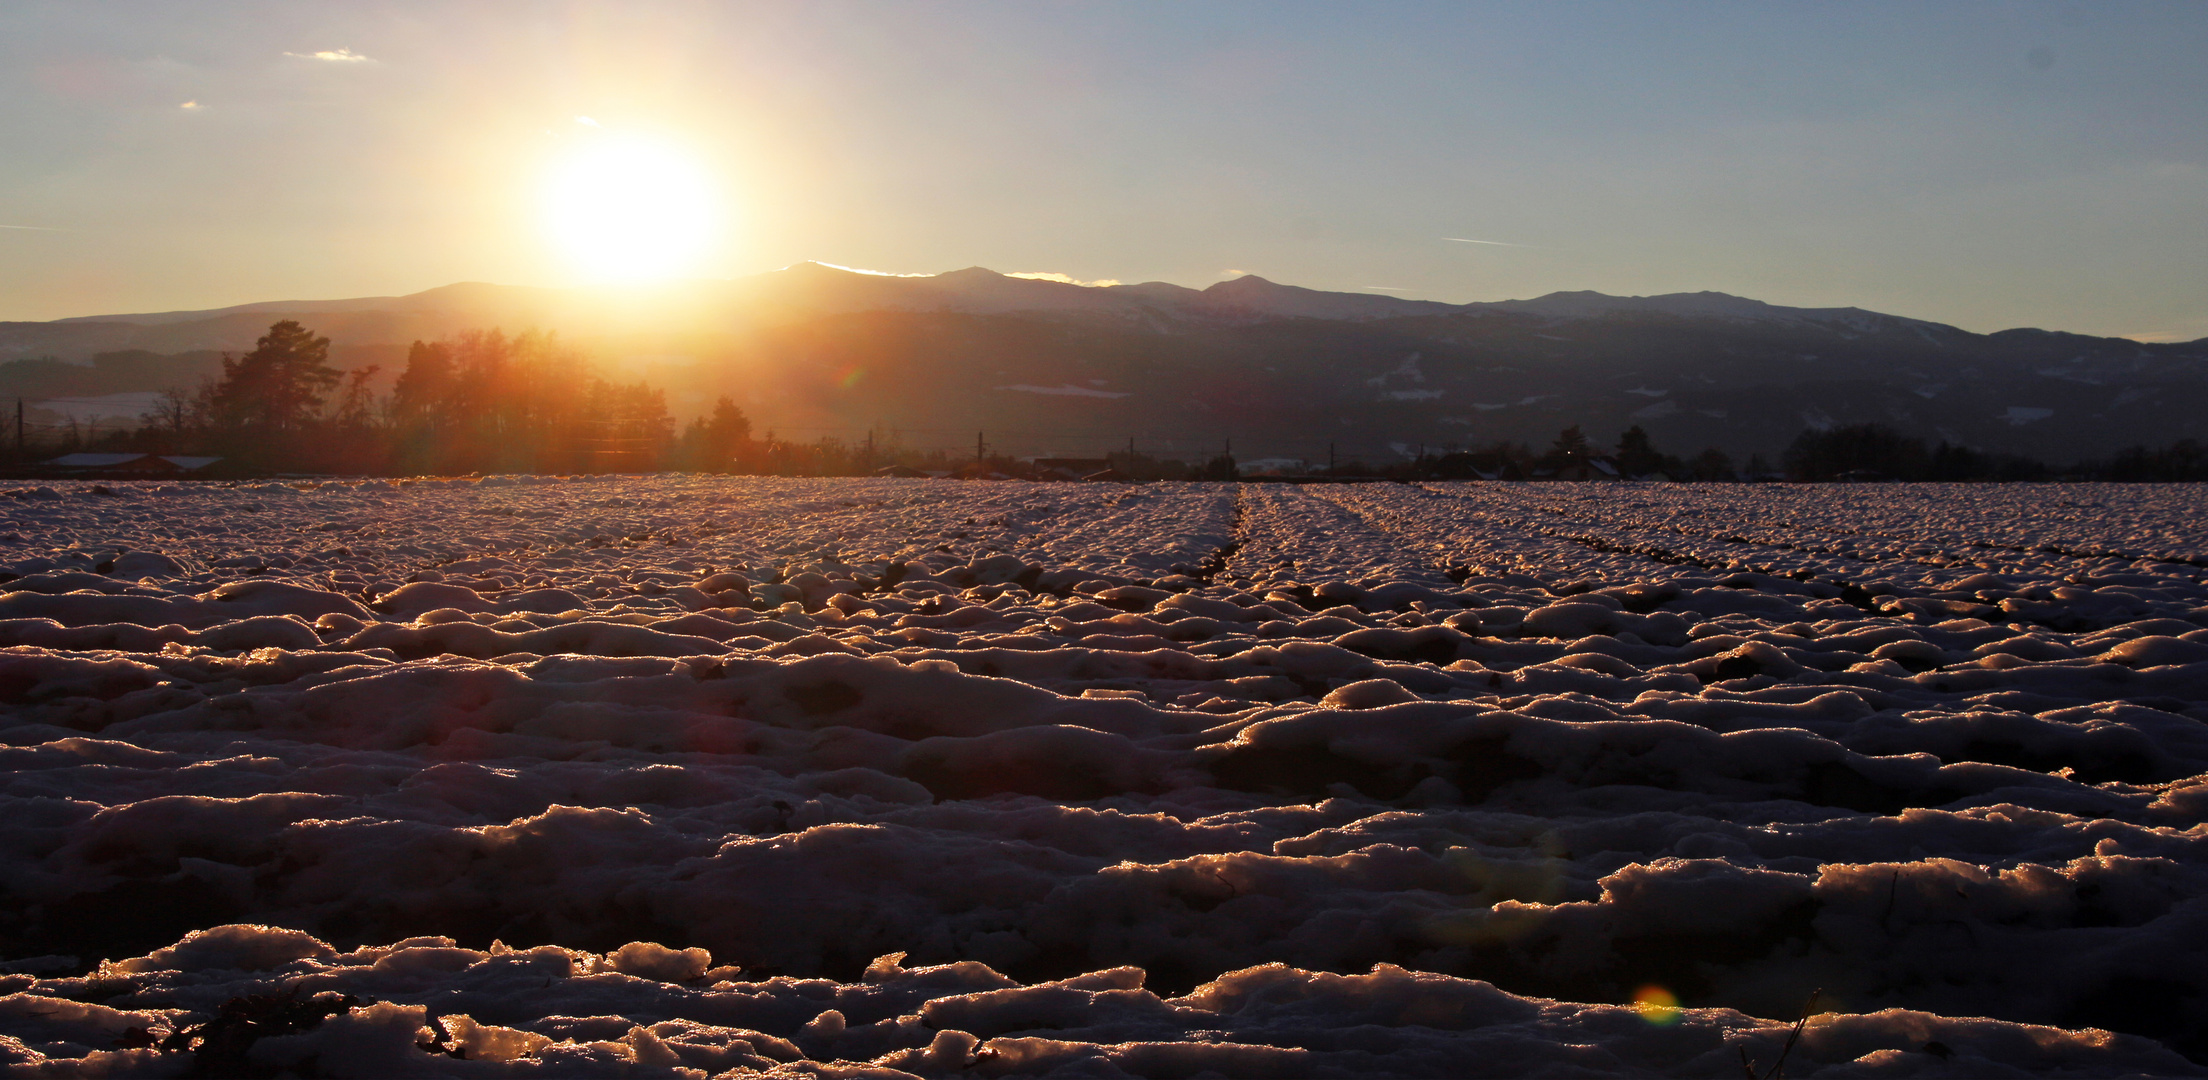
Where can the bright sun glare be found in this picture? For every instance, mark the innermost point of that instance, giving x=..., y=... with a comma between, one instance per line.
x=630, y=209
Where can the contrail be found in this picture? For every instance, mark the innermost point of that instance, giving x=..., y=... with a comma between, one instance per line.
x=33, y=228
x=1497, y=243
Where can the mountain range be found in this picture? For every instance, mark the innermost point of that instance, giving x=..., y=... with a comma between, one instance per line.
x=1049, y=367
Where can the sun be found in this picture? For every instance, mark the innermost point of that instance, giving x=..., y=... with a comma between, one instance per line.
x=630, y=209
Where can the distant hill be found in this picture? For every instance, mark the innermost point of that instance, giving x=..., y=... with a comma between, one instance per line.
x=1284, y=371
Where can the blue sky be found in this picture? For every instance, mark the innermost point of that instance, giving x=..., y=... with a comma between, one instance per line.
x=1988, y=165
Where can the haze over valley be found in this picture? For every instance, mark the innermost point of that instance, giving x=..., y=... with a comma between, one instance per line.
x=1061, y=369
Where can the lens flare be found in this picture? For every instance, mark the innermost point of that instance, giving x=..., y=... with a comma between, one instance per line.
x=630, y=209
x=1657, y=1005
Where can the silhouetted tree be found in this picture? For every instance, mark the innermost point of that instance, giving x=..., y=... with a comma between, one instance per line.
x=1637, y=456
x=172, y=414
x=1570, y=448
x=1868, y=451
x=276, y=388
x=1712, y=465
x=485, y=402
x=631, y=431
x=716, y=443
x=424, y=390
x=356, y=404
x=2183, y=460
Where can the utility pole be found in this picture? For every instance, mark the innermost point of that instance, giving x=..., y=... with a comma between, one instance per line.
x=981, y=449
x=1329, y=457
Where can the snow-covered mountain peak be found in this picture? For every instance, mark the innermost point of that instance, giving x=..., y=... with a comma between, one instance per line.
x=1707, y=304
x=971, y=273
x=1586, y=303
x=1255, y=295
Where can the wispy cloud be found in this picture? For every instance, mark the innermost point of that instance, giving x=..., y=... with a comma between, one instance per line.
x=334, y=56
x=862, y=270
x=34, y=228
x=587, y=122
x=1384, y=288
x=1491, y=243
x=191, y=106
x=1099, y=283
x=1068, y=390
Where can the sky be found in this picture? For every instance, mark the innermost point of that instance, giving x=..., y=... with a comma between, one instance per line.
x=1984, y=165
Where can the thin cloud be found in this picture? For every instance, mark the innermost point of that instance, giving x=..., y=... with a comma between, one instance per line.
x=334, y=56
x=191, y=106
x=863, y=270
x=1492, y=243
x=35, y=228
x=1384, y=288
x=1099, y=283
x=587, y=122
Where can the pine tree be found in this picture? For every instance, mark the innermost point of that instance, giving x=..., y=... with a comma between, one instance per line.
x=1571, y=446
x=1713, y=464
x=713, y=443
x=279, y=386
x=1637, y=456
x=422, y=392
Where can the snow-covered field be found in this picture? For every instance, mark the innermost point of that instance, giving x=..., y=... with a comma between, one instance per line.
x=699, y=776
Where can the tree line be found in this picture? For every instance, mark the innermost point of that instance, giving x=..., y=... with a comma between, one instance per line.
x=480, y=402
x=1574, y=456
x=1858, y=452
x=485, y=402
x=1877, y=452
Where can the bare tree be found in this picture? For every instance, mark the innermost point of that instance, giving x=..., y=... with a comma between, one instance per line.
x=171, y=412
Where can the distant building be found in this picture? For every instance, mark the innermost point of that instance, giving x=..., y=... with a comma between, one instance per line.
x=1590, y=469
x=132, y=464
x=1069, y=468
x=112, y=463
x=1275, y=466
